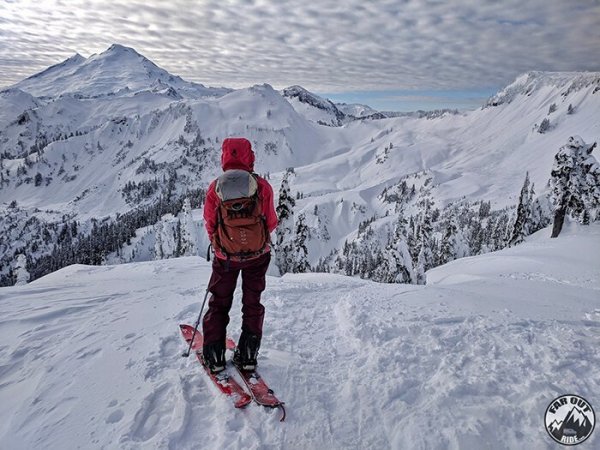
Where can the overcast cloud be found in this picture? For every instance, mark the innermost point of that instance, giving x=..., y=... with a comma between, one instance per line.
x=326, y=46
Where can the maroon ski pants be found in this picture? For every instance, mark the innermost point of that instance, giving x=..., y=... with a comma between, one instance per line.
x=222, y=286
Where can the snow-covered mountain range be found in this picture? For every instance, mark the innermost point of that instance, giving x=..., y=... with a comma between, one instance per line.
x=90, y=140
x=105, y=160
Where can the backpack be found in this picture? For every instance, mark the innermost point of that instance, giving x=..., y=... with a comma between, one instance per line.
x=241, y=226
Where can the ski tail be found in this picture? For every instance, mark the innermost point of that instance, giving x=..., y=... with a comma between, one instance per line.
x=222, y=380
x=261, y=392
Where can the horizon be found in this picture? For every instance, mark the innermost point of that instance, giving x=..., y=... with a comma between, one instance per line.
x=409, y=101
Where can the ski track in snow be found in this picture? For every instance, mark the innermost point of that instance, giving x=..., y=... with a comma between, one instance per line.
x=90, y=356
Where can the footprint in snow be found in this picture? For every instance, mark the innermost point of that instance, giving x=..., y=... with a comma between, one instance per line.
x=169, y=351
x=115, y=416
x=153, y=415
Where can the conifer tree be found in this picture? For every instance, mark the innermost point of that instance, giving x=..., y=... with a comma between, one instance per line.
x=300, y=252
x=285, y=229
x=20, y=270
x=522, y=224
x=544, y=126
x=448, y=244
x=420, y=268
x=574, y=183
x=424, y=232
x=158, y=236
x=539, y=219
x=499, y=233
x=177, y=237
x=394, y=264
x=188, y=231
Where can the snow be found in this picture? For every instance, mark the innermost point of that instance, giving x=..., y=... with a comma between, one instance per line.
x=117, y=71
x=13, y=102
x=100, y=134
x=355, y=109
x=90, y=356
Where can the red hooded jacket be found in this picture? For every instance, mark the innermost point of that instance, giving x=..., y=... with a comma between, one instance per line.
x=237, y=154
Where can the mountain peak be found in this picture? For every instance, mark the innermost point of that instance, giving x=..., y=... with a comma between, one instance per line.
x=304, y=96
x=119, y=70
x=121, y=54
x=107, y=73
x=121, y=50
x=76, y=58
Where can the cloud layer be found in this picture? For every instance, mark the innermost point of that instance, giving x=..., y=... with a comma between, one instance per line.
x=327, y=46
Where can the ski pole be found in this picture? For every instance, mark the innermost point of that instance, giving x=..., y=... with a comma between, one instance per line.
x=186, y=354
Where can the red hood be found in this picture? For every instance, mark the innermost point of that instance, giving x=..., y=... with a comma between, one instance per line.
x=237, y=154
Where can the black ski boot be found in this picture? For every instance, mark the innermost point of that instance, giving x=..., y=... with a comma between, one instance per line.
x=247, y=351
x=214, y=356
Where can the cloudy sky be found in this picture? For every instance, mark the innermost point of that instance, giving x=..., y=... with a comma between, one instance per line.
x=389, y=54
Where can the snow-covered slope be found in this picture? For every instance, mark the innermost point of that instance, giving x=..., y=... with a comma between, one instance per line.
x=90, y=356
x=13, y=102
x=527, y=83
x=92, y=147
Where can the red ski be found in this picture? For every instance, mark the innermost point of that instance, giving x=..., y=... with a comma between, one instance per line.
x=261, y=393
x=224, y=382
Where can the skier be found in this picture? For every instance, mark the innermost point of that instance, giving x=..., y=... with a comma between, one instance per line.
x=239, y=216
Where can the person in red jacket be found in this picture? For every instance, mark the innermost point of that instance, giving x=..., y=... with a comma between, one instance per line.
x=226, y=219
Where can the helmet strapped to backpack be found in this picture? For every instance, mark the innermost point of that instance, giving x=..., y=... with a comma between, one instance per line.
x=241, y=226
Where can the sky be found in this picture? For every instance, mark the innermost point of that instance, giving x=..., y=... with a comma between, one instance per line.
x=392, y=55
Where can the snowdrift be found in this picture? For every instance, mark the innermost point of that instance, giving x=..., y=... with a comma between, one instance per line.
x=90, y=356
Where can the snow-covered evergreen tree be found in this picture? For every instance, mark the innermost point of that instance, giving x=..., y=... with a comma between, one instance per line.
x=177, y=239
x=399, y=262
x=522, y=223
x=158, y=237
x=540, y=215
x=424, y=246
x=189, y=235
x=499, y=233
x=411, y=238
x=20, y=271
x=477, y=238
x=453, y=244
x=299, y=260
x=168, y=236
x=420, y=267
x=575, y=183
x=544, y=126
x=285, y=228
